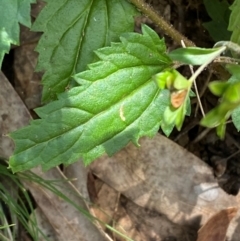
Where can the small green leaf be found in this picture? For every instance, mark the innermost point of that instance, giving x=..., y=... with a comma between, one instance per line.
x=170, y=115
x=218, y=116
x=221, y=129
x=180, y=118
x=235, y=78
x=192, y=94
x=218, y=87
x=213, y=118
x=175, y=116
x=72, y=30
x=194, y=55
x=171, y=79
x=164, y=79
x=229, y=92
x=179, y=102
x=232, y=93
x=165, y=103
x=117, y=102
x=12, y=12
x=180, y=82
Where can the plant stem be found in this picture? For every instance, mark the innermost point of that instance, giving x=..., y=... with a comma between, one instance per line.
x=203, y=66
x=160, y=22
x=195, y=86
x=230, y=45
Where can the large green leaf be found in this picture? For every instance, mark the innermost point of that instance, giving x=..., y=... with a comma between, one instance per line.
x=73, y=29
x=118, y=102
x=234, y=22
x=12, y=12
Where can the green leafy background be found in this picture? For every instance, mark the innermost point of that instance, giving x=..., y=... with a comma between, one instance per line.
x=234, y=22
x=118, y=102
x=235, y=78
x=73, y=29
x=12, y=12
x=219, y=11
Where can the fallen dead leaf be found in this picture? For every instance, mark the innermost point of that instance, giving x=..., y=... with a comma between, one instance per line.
x=163, y=177
x=215, y=229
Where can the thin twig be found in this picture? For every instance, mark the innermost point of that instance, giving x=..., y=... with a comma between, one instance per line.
x=227, y=60
x=87, y=203
x=201, y=135
x=195, y=85
x=203, y=89
x=236, y=143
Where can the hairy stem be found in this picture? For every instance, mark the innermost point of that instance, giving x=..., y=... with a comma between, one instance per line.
x=161, y=23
